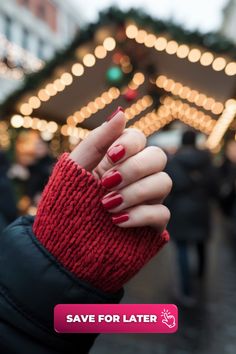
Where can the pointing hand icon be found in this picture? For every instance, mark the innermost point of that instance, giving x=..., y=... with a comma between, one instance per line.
x=169, y=320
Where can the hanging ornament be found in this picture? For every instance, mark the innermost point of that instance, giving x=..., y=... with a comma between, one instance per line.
x=116, y=58
x=114, y=75
x=130, y=94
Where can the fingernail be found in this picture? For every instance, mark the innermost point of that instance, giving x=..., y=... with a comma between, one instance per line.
x=116, y=153
x=119, y=218
x=112, y=179
x=112, y=200
x=119, y=109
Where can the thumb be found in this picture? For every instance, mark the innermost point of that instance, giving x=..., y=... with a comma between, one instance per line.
x=92, y=149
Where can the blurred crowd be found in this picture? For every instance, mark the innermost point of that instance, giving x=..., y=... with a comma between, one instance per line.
x=22, y=181
x=200, y=180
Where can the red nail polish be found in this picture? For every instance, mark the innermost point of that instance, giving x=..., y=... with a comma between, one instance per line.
x=112, y=200
x=112, y=179
x=119, y=218
x=119, y=109
x=116, y=153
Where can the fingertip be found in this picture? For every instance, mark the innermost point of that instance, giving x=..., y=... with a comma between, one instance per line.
x=113, y=115
x=117, y=120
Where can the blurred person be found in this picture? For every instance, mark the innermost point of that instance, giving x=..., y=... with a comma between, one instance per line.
x=32, y=169
x=39, y=171
x=95, y=228
x=191, y=172
x=8, y=210
x=227, y=187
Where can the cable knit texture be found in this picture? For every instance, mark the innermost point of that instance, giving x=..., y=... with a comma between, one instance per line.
x=72, y=224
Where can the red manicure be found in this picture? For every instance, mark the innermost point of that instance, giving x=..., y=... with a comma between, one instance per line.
x=119, y=218
x=112, y=179
x=112, y=200
x=116, y=153
x=119, y=109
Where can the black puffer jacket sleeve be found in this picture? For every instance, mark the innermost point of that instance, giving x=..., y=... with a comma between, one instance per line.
x=32, y=282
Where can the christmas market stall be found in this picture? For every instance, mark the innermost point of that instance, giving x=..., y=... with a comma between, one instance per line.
x=157, y=71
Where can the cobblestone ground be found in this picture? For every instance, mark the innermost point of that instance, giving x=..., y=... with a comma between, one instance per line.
x=207, y=328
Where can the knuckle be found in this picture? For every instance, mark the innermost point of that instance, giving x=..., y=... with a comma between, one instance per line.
x=136, y=166
x=167, y=183
x=164, y=215
x=159, y=216
x=152, y=220
x=159, y=154
x=137, y=137
x=141, y=192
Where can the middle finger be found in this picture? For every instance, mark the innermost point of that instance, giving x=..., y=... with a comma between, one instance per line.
x=146, y=162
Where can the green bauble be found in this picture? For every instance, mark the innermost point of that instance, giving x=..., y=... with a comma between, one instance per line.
x=114, y=75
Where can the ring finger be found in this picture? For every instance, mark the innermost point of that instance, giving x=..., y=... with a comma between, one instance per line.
x=149, y=189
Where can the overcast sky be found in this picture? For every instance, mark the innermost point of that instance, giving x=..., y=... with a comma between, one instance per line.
x=205, y=15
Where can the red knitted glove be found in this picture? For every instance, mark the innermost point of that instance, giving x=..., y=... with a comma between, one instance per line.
x=72, y=225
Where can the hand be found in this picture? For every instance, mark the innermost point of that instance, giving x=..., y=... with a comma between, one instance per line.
x=169, y=320
x=131, y=172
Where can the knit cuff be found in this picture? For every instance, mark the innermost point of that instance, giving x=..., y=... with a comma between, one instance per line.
x=72, y=225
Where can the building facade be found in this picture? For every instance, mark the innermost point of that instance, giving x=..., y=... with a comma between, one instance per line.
x=229, y=23
x=30, y=33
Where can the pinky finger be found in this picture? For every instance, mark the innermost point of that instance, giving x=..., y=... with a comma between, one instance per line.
x=156, y=216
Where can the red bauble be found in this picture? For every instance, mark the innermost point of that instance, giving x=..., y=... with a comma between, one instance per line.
x=130, y=94
x=116, y=58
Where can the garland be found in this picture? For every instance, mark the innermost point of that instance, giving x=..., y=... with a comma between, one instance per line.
x=211, y=41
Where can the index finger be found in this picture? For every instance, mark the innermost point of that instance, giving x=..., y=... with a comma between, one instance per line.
x=92, y=149
x=128, y=144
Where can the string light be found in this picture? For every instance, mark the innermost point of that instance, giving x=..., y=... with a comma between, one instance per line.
x=192, y=96
x=171, y=47
x=66, y=79
x=100, y=52
x=109, y=44
x=76, y=132
x=4, y=135
x=219, y=64
x=17, y=56
x=136, y=108
x=170, y=110
x=138, y=79
x=131, y=31
x=93, y=106
x=222, y=124
x=19, y=121
x=77, y=69
x=25, y=109
x=182, y=51
x=89, y=60
x=189, y=115
x=152, y=122
x=43, y=96
x=230, y=69
x=104, y=99
x=161, y=44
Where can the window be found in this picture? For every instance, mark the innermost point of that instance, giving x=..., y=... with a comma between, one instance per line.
x=8, y=26
x=25, y=40
x=25, y=3
x=41, y=46
x=41, y=11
